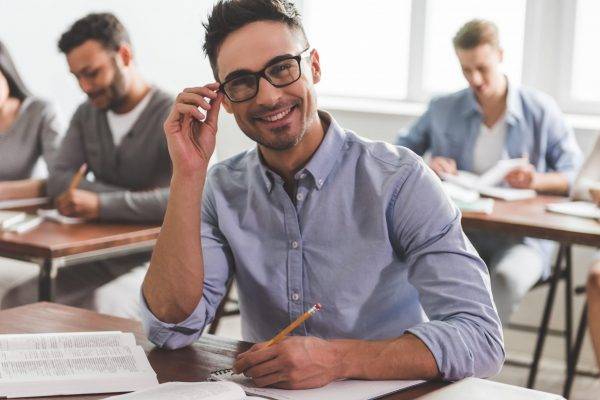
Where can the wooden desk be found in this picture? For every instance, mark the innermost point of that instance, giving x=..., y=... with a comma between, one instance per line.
x=530, y=218
x=53, y=245
x=193, y=363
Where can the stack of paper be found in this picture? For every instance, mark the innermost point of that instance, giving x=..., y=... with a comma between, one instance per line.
x=54, y=215
x=53, y=364
x=18, y=222
x=582, y=209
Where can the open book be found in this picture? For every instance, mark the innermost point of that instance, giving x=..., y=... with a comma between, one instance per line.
x=487, y=184
x=51, y=364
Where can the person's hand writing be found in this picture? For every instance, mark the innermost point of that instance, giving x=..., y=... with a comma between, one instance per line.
x=523, y=177
x=443, y=166
x=191, y=133
x=78, y=203
x=297, y=362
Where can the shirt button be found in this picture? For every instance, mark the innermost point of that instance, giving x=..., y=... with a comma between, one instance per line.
x=320, y=181
x=295, y=296
x=300, y=197
x=294, y=244
x=302, y=176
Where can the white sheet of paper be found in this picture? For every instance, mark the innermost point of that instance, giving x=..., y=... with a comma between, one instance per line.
x=54, y=215
x=482, y=389
x=187, y=391
x=582, y=209
x=338, y=390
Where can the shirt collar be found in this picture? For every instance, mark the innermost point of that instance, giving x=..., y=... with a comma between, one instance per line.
x=514, y=108
x=322, y=161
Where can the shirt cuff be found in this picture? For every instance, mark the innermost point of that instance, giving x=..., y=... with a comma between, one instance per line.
x=169, y=335
x=454, y=360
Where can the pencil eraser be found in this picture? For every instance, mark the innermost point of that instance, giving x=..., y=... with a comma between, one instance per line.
x=318, y=306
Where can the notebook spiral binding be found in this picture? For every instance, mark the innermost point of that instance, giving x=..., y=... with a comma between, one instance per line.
x=219, y=374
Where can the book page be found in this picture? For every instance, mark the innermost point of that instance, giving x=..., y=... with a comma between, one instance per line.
x=495, y=175
x=338, y=390
x=188, y=391
x=39, y=365
x=65, y=340
x=25, y=355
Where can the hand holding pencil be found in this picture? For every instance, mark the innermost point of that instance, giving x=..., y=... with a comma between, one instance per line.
x=75, y=202
x=294, y=363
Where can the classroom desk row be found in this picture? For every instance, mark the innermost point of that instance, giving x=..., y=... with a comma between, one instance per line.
x=52, y=245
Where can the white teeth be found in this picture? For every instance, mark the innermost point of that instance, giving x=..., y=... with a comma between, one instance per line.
x=278, y=116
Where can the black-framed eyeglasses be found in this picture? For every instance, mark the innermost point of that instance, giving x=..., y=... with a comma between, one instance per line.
x=279, y=73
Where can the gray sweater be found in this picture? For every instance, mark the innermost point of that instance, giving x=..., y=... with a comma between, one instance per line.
x=132, y=179
x=35, y=133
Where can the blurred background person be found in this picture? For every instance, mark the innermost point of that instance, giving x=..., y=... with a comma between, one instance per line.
x=489, y=121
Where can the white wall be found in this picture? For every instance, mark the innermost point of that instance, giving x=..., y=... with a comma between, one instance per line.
x=167, y=38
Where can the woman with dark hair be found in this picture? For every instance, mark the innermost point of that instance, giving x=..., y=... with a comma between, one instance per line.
x=29, y=129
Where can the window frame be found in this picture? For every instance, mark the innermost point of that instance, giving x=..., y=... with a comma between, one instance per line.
x=550, y=40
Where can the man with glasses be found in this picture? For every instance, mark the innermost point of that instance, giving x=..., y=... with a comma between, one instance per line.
x=313, y=214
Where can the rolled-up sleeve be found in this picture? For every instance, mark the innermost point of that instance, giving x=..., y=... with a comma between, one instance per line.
x=218, y=267
x=563, y=153
x=463, y=333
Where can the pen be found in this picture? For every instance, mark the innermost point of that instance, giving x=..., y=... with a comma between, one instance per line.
x=78, y=176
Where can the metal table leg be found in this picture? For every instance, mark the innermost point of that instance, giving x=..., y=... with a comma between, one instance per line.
x=45, y=281
x=575, y=353
x=539, y=346
x=568, y=311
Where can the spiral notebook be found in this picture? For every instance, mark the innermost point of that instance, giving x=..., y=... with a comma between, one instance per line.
x=339, y=390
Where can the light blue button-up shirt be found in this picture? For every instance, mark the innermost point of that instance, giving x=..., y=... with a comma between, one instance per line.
x=536, y=129
x=370, y=235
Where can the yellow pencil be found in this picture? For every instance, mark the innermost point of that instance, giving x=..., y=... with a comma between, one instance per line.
x=78, y=176
x=281, y=335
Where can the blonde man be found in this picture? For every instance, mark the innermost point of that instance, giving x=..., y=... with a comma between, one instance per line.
x=491, y=120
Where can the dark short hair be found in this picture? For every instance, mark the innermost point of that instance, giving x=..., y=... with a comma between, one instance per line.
x=102, y=27
x=228, y=16
x=475, y=33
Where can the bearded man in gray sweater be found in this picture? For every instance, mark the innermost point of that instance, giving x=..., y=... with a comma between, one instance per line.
x=118, y=133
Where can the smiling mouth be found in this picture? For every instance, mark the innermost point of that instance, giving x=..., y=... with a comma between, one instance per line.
x=278, y=116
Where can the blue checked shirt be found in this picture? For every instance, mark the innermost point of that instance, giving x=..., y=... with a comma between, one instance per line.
x=369, y=234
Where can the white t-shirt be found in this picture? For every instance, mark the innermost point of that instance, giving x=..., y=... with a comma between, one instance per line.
x=121, y=124
x=489, y=148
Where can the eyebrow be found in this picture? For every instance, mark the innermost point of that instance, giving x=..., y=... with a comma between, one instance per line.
x=241, y=72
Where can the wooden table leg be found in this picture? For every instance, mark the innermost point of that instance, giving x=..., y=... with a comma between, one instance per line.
x=45, y=281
